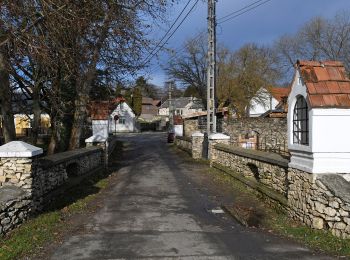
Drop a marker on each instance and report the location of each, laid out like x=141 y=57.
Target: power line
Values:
x=237 y=11
x=187 y=14
x=173 y=56
x=229 y=17
x=168 y=31
x=239 y=14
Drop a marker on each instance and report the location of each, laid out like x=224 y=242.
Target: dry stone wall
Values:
x=320 y=201
x=270 y=170
x=198 y=146
x=271 y=132
x=190 y=127
x=25 y=183
x=184 y=143
x=14 y=207
x=17 y=172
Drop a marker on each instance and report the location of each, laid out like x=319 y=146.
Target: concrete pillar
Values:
x=18 y=162
x=197 y=145
x=214 y=139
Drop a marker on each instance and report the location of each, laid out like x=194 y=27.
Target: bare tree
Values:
x=58 y=45
x=117 y=42
x=189 y=67
x=318 y=39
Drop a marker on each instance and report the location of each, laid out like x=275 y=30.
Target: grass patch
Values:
x=34 y=234
x=318 y=239
x=31 y=236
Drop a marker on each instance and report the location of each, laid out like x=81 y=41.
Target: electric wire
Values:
x=178 y=26
x=221 y=20
x=241 y=13
x=168 y=31
x=239 y=10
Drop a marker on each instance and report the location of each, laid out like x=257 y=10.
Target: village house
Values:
x=149 y=118
x=122 y=119
x=23 y=124
x=23 y=117
x=182 y=106
x=111 y=117
x=269 y=101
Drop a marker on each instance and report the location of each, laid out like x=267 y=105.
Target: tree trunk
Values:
x=37 y=115
x=8 y=123
x=55 y=136
x=78 y=120
x=85 y=86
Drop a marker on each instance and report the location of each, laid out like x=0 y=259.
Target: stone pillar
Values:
x=214 y=139
x=197 y=145
x=18 y=162
x=101 y=141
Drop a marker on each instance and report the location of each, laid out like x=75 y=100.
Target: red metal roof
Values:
x=327 y=83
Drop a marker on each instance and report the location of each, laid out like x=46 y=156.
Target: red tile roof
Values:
x=100 y=110
x=279 y=93
x=327 y=83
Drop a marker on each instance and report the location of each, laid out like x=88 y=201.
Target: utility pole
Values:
x=211 y=70
x=171 y=110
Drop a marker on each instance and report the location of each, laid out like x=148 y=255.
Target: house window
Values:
x=121 y=120
x=301 y=122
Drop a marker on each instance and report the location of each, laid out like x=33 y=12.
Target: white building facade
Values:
x=182 y=106
x=319 y=118
x=122 y=119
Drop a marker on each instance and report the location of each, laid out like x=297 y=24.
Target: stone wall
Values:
x=268 y=169
x=14 y=207
x=271 y=132
x=190 y=127
x=16 y=172
x=184 y=143
x=26 y=183
x=198 y=146
x=320 y=201
x=54 y=170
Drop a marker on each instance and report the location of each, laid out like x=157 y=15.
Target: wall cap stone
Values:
x=19 y=149
x=219 y=136
x=271 y=158
x=68 y=156
x=197 y=134
x=337 y=185
x=11 y=193
x=98 y=138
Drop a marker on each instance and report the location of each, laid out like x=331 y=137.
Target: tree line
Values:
x=55 y=53
x=241 y=73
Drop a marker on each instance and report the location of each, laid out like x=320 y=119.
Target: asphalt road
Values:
x=154 y=211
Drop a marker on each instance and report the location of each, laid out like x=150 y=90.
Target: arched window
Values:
x=301 y=122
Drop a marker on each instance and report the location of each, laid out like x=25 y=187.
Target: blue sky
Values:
x=262 y=25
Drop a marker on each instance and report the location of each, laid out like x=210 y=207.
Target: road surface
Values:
x=154 y=211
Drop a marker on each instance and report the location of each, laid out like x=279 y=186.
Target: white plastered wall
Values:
x=122 y=110
x=329 y=145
